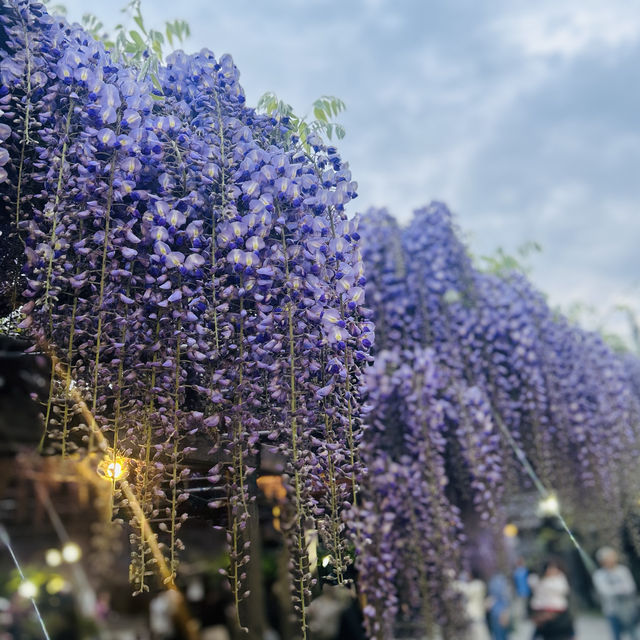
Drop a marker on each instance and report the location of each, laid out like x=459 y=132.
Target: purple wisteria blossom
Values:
x=473 y=371
x=194 y=269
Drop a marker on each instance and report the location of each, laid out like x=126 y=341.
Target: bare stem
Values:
x=103 y=270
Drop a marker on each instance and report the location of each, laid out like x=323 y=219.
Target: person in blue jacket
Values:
x=499 y=607
x=523 y=590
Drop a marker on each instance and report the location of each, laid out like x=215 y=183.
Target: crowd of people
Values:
x=495 y=607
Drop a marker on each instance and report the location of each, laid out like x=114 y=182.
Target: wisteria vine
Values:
x=471 y=365
x=190 y=262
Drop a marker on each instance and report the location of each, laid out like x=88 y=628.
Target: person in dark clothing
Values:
x=351 y=622
x=336 y=615
x=550 y=605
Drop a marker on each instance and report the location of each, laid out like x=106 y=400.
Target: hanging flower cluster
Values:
x=409 y=531
x=193 y=267
x=471 y=366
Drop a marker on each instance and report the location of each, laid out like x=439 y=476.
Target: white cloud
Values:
x=568 y=29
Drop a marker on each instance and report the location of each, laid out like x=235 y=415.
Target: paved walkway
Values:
x=587 y=628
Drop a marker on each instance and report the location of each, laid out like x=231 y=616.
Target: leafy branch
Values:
x=142 y=47
x=325 y=110
x=503 y=263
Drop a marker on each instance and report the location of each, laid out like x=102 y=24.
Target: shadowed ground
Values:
x=588 y=628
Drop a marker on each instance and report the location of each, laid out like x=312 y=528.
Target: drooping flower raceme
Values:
x=193 y=268
x=471 y=366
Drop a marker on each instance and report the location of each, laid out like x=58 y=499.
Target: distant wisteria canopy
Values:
x=474 y=377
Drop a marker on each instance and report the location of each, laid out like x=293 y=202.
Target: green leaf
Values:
x=156 y=84
x=156 y=35
x=144 y=69
x=319 y=114
x=137 y=39
x=59 y=9
x=181 y=29
x=139 y=21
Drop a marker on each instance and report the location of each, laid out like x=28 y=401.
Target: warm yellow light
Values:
x=27 y=589
x=56 y=585
x=276 y=511
x=272 y=487
x=53 y=557
x=113 y=469
x=325 y=561
x=549 y=506
x=510 y=530
x=71 y=552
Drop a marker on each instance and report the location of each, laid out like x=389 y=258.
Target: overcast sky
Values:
x=522 y=116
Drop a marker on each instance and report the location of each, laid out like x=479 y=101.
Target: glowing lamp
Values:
x=28 y=589
x=71 y=552
x=53 y=557
x=56 y=585
x=549 y=506
x=510 y=530
x=272 y=487
x=113 y=468
x=276 y=517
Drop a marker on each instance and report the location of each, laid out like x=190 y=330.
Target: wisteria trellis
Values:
x=194 y=272
x=464 y=356
x=193 y=267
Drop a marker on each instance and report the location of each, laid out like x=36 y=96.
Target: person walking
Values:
x=550 y=605
x=618 y=594
x=499 y=607
x=335 y=615
x=523 y=590
x=474 y=592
